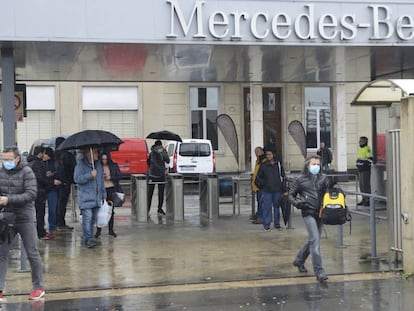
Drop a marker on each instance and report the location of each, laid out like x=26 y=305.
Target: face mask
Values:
x=9 y=165
x=314 y=169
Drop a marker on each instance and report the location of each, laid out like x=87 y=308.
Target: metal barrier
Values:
x=209 y=196
x=394 y=194
x=139 y=200
x=175 y=196
x=372 y=215
x=237 y=182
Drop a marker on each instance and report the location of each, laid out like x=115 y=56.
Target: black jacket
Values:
x=306 y=193
x=271 y=177
x=39 y=170
x=156 y=163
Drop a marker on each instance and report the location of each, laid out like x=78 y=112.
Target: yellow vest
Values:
x=364 y=153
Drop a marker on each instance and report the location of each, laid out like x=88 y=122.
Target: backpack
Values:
x=334 y=210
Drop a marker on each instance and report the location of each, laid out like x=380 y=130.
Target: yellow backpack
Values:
x=334 y=210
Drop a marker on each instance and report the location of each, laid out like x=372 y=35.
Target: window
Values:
x=204 y=103
x=318 y=116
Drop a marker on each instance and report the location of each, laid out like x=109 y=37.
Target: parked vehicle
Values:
x=131 y=156
x=191 y=157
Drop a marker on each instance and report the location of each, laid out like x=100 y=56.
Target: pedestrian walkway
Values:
x=167 y=255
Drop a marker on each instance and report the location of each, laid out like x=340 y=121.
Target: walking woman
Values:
x=112 y=176
x=306 y=193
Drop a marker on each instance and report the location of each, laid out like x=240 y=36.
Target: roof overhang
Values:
x=384 y=92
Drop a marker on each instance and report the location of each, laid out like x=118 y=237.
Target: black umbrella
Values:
x=164 y=135
x=285 y=207
x=89 y=138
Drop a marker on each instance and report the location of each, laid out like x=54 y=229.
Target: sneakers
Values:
x=90 y=243
x=301 y=267
x=322 y=277
x=48 y=236
x=36 y=294
x=267 y=229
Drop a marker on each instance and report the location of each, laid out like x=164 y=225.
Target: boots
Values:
x=98 y=232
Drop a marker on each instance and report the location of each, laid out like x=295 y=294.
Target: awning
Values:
x=384 y=92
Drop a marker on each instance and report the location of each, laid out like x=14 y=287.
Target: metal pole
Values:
x=340 y=237
x=373 y=228
x=7 y=97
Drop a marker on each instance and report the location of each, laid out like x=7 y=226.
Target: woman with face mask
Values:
x=306 y=193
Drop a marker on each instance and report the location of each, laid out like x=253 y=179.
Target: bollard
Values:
x=209 y=196
x=340 y=237
x=175 y=197
x=139 y=208
x=373 y=228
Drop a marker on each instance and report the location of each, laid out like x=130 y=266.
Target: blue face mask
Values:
x=314 y=169
x=9 y=165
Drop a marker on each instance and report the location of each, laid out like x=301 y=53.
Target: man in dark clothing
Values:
x=65 y=162
x=306 y=194
x=326 y=157
x=39 y=169
x=270 y=180
x=157 y=174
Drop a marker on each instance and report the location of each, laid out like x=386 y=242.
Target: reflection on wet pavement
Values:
x=148 y=264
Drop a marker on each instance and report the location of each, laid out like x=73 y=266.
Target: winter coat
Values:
x=325 y=154
x=156 y=163
x=39 y=169
x=91 y=191
x=270 y=177
x=65 y=165
x=20 y=187
x=259 y=160
x=310 y=189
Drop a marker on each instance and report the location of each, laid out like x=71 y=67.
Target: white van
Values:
x=191 y=157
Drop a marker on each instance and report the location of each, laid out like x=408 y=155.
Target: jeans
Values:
x=88 y=222
x=270 y=199
x=259 y=204
x=28 y=234
x=52 y=200
x=312 y=247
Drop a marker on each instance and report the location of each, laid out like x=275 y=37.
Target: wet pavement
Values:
x=223 y=264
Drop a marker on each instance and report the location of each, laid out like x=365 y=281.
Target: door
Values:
x=272 y=125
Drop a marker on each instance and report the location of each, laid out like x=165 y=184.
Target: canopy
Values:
x=384 y=92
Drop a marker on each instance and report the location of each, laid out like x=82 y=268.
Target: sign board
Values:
x=19 y=103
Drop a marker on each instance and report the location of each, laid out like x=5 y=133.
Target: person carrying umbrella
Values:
x=157 y=174
x=89 y=178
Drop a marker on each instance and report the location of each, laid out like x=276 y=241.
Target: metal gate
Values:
x=394 y=196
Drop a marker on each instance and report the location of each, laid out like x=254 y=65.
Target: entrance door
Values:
x=272 y=127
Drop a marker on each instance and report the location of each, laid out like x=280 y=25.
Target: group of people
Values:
x=54 y=175
x=24 y=190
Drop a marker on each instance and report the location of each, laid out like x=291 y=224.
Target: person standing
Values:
x=112 y=176
x=52 y=189
x=363 y=165
x=18 y=192
x=326 y=157
x=39 y=169
x=306 y=193
x=270 y=180
x=65 y=165
x=157 y=174
x=260 y=158
x=89 y=178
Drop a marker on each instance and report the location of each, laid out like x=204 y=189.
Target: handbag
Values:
x=7 y=220
x=118 y=199
x=104 y=214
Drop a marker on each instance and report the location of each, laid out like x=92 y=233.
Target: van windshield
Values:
x=194 y=150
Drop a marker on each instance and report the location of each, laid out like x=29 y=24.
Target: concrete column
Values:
x=340 y=159
x=407 y=181
x=256 y=119
x=7 y=97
